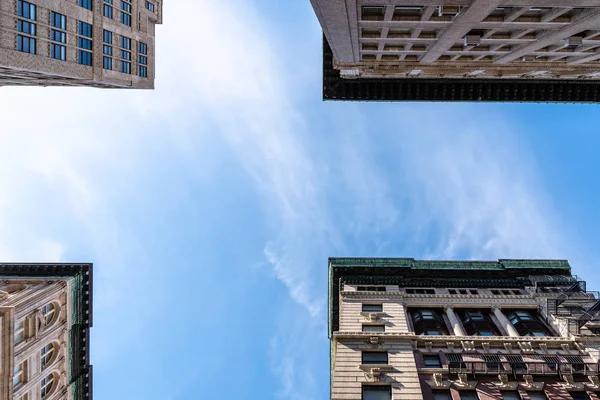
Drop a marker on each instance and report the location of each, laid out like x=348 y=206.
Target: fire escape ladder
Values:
x=589 y=314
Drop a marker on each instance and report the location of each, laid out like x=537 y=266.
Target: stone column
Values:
x=506 y=324
x=456 y=325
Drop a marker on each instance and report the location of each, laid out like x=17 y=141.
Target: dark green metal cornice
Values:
x=409 y=272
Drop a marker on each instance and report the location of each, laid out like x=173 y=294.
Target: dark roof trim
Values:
x=81 y=277
x=415 y=272
x=454 y=89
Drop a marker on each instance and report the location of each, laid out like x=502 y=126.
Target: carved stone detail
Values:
x=437 y=379
x=468 y=345
x=485 y=346
x=526 y=347
x=594 y=380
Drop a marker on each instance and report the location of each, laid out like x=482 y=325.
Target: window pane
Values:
x=511 y=396
x=372 y=307
x=468 y=395
x=373 y=328
x=374 y=357
x=537 y=395
x=376 y=393
x=432 y=361
x=441 y=395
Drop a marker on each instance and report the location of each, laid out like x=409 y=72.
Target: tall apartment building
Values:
x=461 y=330
x=98 y=43
x=45 y=317
x=482 y=50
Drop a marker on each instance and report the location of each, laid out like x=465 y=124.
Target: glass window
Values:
x=511 y=395
x=373 y=328
x=47 y=386
x=372 y=307
x=26 y=10
x=108 y=11
x=441 y=395
x=579 y=395
x=26 y=27
x=149 y=6
x=143 y=71
x=84 y=57
x=19 y=331
x=48 y=312
x=58 y=36
x=374 y=357
x=125 y=67
x=537 y=395
x=19 y=374
x=58 y=52
x=107 y=63
x=58 y=20
x=107 y=35
x=86 y=4
x=85 y=29
x=468 y=395
x=26 y=44
x=47 y=354
x=376 y=393
x=84 y=43
x=432 y=362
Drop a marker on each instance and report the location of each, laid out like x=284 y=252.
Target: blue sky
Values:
x=209 y=206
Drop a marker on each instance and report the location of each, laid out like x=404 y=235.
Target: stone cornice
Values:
x=445 y=299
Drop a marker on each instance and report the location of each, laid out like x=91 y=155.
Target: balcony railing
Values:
x=524 y=368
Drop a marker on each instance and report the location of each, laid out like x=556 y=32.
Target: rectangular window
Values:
x=58 y=52
x=28 y=28
x=107 y=63
x=26 y=44
x=27 y=10
x=85 y=29
x=83 y=43
x=371 y=288
x=432 y=362
x=86 y=4
x=125 y=67
x=372 y=307
x=58 y=36
x=143 y=60
x=126 y=12
x=511 y=395
x=19 y=373
x=374 y=357
x=441 y=395
x=579 y=395
x=107 y=50
x=107 y=37
x=84 y=57
x=373 y=328
x=19 y=331
x=58 y=20
x=376 y=393
x=108 y=11
x=150 y=6
x=537 y=395
x=126 y=43
x=468 y=395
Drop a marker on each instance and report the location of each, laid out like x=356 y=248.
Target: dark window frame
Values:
x=370 y=307
x=383 y=360
x=375 y=388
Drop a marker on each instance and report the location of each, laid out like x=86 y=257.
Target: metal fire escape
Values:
x=572 y=300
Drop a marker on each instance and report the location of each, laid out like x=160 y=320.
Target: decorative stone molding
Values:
x=468 y=345
x=569 y=381
x=437 y=378
x=374 y=340
x=565 y=347
x=374 y=375
x=438 y=382
x=530 y=384
x=485 y=346
x=543 y=347
x=464 y=383
x=526 y=347
x=580 y=347
x=428 y=346
x=508 y=347
x=504 y=383
x=450 y=346
x=594 y=381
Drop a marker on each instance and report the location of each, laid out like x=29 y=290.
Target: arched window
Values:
x=47 y=386
x=48 y=312
x=47 y=354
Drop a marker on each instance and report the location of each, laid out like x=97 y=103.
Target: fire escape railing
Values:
x=525 y=368
x=572 y=299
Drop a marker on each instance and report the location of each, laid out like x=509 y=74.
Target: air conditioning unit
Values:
x=573 y=42
x=472 y=40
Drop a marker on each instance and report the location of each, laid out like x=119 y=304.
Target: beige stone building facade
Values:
x=97 y=43
x=492 y=39
x=45 y=316
x=509 y=329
